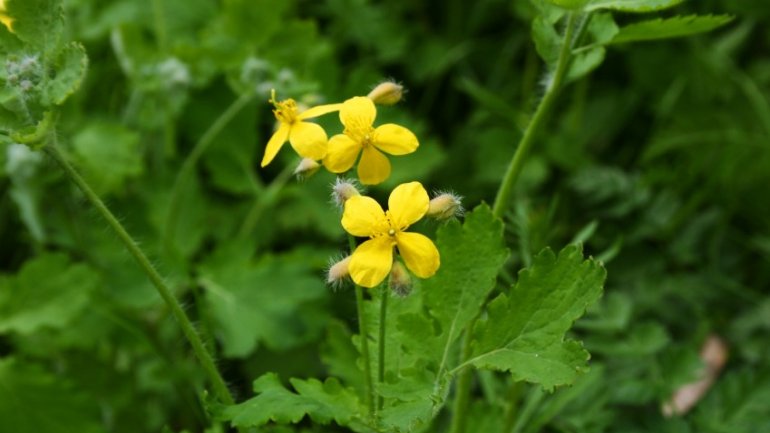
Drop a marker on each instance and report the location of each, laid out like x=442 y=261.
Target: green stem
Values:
x=512 y=411
x=384 y=295
x=364 y=335
x=204 y=357
x=264 y=201
x=192 y=159
x=503 y=198
x=463 y=390
x=160 y=25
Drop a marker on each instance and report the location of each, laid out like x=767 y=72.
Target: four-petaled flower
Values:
x=371 y=262
x=308 y=139
x=357 y=115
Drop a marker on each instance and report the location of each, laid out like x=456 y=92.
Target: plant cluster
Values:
x=162 y=271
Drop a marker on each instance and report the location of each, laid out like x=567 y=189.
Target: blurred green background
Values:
x=659 y=162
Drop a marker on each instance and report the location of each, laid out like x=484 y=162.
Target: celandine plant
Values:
x=431 y=313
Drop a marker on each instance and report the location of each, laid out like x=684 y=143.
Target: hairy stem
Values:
x=503 y=198
x=203 y=355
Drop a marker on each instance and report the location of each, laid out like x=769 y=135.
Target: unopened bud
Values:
x=400 y=281
x=444 y=206
x=306 y=168
x=343 y=189
x=386 y=93
x=338 y=272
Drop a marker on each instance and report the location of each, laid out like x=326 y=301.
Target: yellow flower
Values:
x=357 y=115
x=371 y=262
x=308 y=139
x=4 y=18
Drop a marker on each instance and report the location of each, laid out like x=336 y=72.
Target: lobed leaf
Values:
x=664 y=28
x=49 y=291
x=321 y=401
x=70 y=72
x=471 y=257
x=525 y=330
x=270 y=301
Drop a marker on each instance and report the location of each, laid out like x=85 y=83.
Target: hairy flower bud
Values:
x=400 y=281
x=386 y=93
x=306 y=168
x=343 y=189
x=444 y=206
x=338 y=272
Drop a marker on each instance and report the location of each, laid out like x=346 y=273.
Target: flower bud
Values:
x=338 y=272
x=386 y=93
x=306 y=168
x=400 y=281
x=444 y=206
x=343 y=189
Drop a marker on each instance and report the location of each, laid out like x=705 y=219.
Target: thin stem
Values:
x=264 y=201
x=384 y=295
x=463 y=390
x=364 y=335
x=192 y=159
x=203 y=355
x=160 y=25
x=503 y=199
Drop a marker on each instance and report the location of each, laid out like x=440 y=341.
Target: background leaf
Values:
x=663 y=28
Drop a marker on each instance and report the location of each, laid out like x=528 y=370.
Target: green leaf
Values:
x=471 y=257
x=663 y=28
x=421 y=346
x=108 y=154
x=49 y=291
x=39 y=23
x=34 y=401
x=321 y=401
x=70 y=71
x=631 y=5
x=547 y=40
x=525 y=333
x=272 y=301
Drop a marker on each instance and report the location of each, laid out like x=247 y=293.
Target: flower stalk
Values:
x=364 y=335
x=384 y=294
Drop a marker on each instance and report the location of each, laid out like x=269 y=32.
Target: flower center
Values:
x=286 y=111
x=360 y=132
x=391 y=232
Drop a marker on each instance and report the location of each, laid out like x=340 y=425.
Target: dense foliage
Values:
x=642 y=200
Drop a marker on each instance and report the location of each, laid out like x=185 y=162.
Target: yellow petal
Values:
x=419 y=253
x=308 y=139
x=341 y=154
x=358 y=113
x=374 y=167
x=364 y=217
x=274 y=145
x=407 y=204
x=371 y=261
x=395 y=139
x=318 y=111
